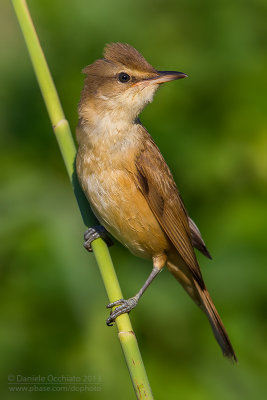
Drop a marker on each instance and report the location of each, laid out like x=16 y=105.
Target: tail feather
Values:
x=216 y=323
x=203 y=300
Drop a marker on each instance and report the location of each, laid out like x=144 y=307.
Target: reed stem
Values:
x=67 y=147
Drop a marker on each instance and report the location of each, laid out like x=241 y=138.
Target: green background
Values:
x=211 y=129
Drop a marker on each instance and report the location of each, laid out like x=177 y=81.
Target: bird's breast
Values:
x=108 y=180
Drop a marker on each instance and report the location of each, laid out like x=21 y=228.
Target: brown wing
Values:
x=158 y=187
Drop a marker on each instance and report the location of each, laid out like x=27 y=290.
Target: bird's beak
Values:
x=161 y=77
x=166 y=76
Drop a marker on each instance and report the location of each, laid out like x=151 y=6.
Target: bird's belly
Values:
x=124 y=212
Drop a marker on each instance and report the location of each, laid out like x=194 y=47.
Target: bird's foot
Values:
x=124 y=306
x=94 y=233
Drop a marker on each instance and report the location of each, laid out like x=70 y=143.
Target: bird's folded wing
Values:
x=157 y=185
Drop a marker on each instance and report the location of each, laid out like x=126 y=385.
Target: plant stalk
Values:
x=67 y=147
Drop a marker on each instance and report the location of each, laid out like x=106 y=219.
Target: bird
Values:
x=129 y=185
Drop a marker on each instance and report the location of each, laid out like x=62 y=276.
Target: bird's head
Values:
x=123 y=80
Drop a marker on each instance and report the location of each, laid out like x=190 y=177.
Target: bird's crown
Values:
x=128 y=56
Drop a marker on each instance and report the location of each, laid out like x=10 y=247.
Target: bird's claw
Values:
x=124 y=306
x=96 y=232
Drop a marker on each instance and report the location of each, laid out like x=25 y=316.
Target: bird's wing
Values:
x=157 y=185
x=197 y=240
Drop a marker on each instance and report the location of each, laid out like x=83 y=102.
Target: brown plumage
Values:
x=128 y=56
x=128 y=183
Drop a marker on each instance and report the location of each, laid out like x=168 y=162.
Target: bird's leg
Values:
x=125 y=306
x=96 y=232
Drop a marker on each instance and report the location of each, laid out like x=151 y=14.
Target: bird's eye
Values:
x=123 y=77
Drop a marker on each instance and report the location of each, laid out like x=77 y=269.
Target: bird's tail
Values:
x=216 y=323
x=203 y=299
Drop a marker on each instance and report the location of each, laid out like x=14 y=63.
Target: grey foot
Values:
x=94 y=233
x=124 y=306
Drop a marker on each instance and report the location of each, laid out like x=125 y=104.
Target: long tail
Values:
x=203 y=300
x=216 y=323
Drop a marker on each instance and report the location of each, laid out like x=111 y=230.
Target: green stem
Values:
x=65 y=141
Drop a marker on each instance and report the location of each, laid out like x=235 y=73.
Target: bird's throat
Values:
x=109 y=129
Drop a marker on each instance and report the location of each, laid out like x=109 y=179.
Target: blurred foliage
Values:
x=212 y=130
